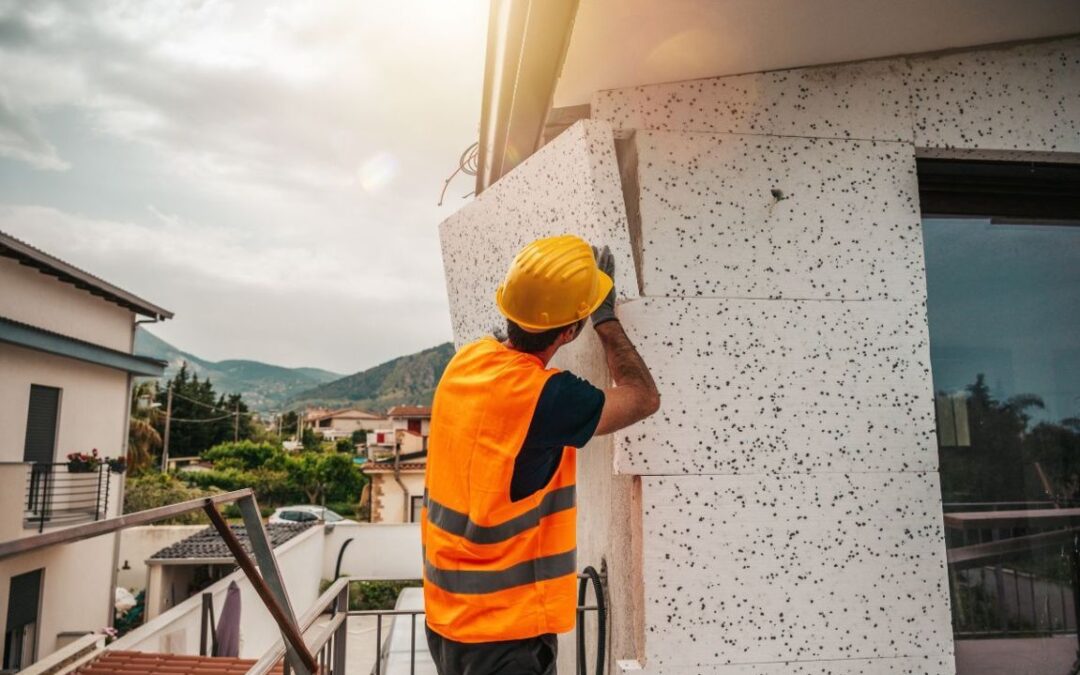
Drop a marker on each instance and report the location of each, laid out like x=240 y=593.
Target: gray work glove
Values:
x=606 y=262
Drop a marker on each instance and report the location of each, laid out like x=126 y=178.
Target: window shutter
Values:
x=41 y=424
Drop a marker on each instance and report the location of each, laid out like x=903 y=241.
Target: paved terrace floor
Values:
x=1016 y=656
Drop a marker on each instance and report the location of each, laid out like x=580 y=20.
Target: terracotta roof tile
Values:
x=143 y=663
x=208 y=543
x=389 y=466
x=409 y=411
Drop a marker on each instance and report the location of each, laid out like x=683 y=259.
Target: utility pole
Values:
x=236 y=424
x=168 y=424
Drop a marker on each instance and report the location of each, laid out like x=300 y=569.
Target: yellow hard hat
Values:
x=552 y=282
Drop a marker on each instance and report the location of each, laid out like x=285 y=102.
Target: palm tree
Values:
x=143 y=437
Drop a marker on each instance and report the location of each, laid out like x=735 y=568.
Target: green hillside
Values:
x=406 y=379
x=265 y=387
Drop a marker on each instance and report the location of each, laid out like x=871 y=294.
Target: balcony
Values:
x=55 y=496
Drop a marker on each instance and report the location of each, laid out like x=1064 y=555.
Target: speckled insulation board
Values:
x=791 y=513
x=912 y=665
x=570 y=186
x=765 y=569
x=867 y=100
x=737 y=216
x=1023 y=97
x=781 y=386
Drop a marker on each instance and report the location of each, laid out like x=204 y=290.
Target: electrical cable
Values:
x=208 y=419
x=468 y=164
x=212 y=407
x=590 y=574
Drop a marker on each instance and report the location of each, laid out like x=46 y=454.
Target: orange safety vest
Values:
x=494 y=569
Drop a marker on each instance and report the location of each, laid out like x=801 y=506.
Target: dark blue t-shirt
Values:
x=567 y=413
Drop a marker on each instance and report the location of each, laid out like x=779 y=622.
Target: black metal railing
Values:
x=1013 y=569
x=56 y=496
x=328 y=641
x=993 y=601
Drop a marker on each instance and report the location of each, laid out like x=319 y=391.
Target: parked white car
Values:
x=305 y=513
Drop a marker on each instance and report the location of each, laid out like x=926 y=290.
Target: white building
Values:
x=397 y=490
x=66 y=366
x=406 y=430
x=342 y=423
x=774 y=179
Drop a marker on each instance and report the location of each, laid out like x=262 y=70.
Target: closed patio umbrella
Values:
x=228 y=627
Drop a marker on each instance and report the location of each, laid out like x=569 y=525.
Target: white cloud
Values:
x=276 y=305
x=299 y=149
x=21 y=139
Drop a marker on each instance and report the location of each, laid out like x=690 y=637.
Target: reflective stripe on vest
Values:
x=494 y=568
x=456 y=522
x=474 y=582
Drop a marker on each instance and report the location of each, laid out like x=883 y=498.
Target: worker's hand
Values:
x=606 y=262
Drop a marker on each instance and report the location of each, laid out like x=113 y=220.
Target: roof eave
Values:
x=32 y=337
x=27 y=255
x=526 y=46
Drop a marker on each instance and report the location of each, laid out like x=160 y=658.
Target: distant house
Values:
x=66 y=368
x=180 y=570
x=405 y=430
x=396 y=497
x=415 y=418
x=342 y=423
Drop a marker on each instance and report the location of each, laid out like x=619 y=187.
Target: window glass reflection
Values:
x=1003 y=302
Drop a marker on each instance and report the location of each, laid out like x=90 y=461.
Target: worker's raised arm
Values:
x=634 y=396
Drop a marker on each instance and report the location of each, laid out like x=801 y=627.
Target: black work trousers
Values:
x=531 y=656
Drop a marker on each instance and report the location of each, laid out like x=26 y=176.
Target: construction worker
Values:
x=499 y=517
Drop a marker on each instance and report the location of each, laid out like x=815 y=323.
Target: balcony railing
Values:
x=56 y=496
x=398 y=645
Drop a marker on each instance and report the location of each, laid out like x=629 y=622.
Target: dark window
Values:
x=1002 y=245
x=20 y=631
x=298 y=516
x=41 y=419
x=416 y=504
x=414 y=425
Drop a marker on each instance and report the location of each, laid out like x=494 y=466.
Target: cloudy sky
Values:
x=267 y=170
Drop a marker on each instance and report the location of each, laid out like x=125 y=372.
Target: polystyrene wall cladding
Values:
x=926 y=665
x=729 y=215
x=1024 y=97
x=570 y=186
x=868 y=101
x=745 y=569
x=782 y=386
x=791 y=510
x=1021 y=98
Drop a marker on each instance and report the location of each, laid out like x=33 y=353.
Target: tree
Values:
x=311 y=440
x=324 y=474
x=143 y=438
x=999 y=465
x=201 y=418
x=158 y=489
x=289 y=423
x=241 y=455
x=345 y=445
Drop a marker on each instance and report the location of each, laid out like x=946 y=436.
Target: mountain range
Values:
x=407 y=379
x=266 y=387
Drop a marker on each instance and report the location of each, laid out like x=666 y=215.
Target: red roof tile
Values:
x=389 y=466
x=143 y=663
x=409 y=411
